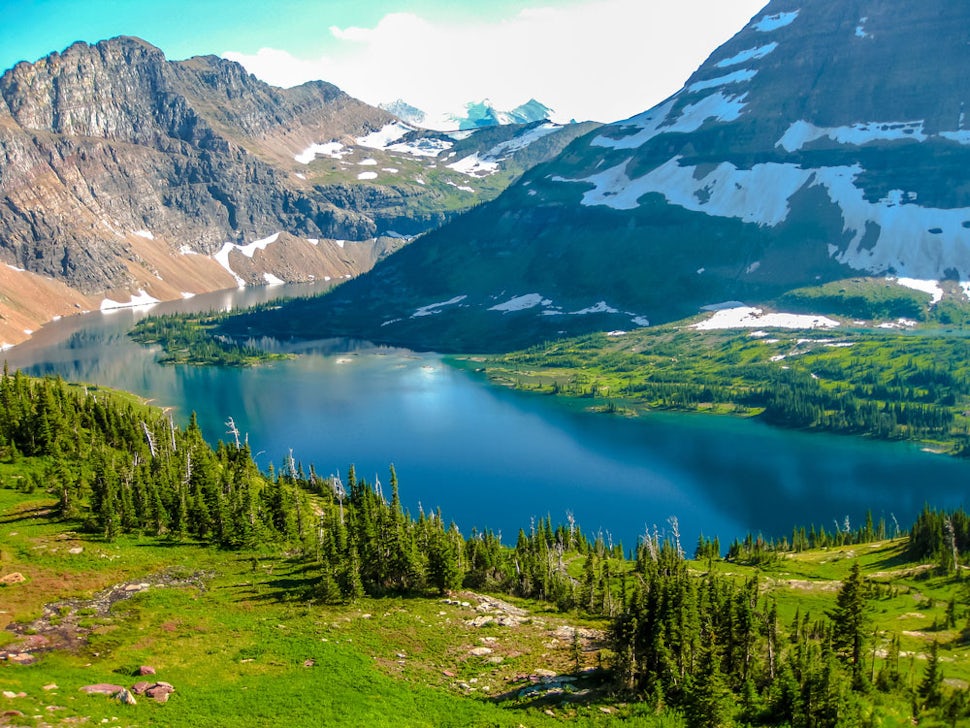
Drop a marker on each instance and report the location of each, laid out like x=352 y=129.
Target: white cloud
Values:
x=603 y=59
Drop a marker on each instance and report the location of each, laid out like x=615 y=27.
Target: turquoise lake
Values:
x=494 y=458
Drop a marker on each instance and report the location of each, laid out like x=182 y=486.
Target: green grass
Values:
x=237 y=637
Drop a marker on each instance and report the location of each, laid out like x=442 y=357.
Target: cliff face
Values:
x=106 y=141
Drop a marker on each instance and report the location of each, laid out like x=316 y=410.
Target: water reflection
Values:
x=495 y=458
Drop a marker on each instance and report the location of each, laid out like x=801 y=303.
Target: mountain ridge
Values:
x=127 y=176
x=824 y=140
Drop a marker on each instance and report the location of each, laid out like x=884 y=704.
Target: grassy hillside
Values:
x=261 y=597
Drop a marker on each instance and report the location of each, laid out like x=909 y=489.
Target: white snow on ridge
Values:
x=740 y=76
x=474 y=166
x=803 y=132
x=521 y=141
x=746 y=317
x=716 y=106
x=931 y=287
x=769 y=23
x=384 y=136
x=432 y=308
x=521 y=303
x=334 y=150
x=140 y=299
x=144 y=234
x=15 y=268
x=486 y=163
x=749 y=55
x=423 y=147
x=759 y=195
x=272 y=280
x=913 y=241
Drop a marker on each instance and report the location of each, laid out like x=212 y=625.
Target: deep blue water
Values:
x=496 y=458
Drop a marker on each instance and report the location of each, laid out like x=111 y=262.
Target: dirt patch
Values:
x=60 y=625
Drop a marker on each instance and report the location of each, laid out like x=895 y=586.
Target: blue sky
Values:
x=589 y=59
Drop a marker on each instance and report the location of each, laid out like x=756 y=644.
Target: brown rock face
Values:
x=113 y=160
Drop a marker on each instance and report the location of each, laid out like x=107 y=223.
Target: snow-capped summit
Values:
x=473 y=115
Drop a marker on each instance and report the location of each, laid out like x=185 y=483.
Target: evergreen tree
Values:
x=850 y=623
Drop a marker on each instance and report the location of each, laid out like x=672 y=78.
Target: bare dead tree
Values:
x=233 y=430
x=149 y=437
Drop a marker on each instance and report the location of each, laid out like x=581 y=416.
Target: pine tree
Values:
x=850 y=623
x=931 y=688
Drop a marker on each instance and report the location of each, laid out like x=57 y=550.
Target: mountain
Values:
x=826 y=140
x=126 y=178
x=474 y=115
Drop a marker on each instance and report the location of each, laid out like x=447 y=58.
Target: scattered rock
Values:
x=10 y=694
x=447 y=673
x=160 y=691
x=480 y=651
x=102 y=689
x=76 y=550
x=139 y=688
x=50 y=686
x=13 y=578
x=146 y=670
x=126 y=698
x=309 y=663
x=11 y=714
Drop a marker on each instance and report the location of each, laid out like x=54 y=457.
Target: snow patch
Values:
x=272 y=280
x=803 y=132
x=313 y=241
x=474 y=166
x=384 y=136
x=222 y=257
x=769 y=23
x=434 y=308
x=744 y=317
x=367 y=175
x=369 y=162
x=144 y=234
x=423 y=147
x=187 y=250
x=15 y=268
x=390 y=170
x=961 y=136
x=640 y=321
x=334 y=150
x=188 y=294
x=600 y=307
x=717 y=106
x=931 y=287
x=759 y=195
x=740 y=76
x=140 y=299
x=521 y=303
x=748 y=55
x=902 y=323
